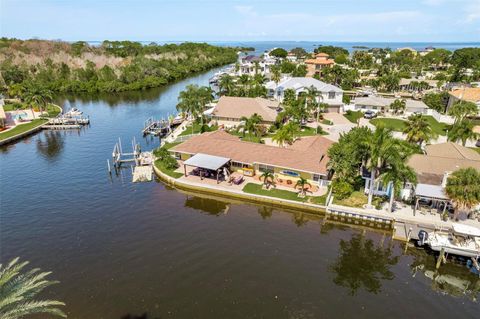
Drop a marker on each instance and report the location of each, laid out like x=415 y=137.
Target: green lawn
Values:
x=197 y=128
x=159 y=164
x=247 y=137
x=399 y=125
x=52 y=109
x=357 y=199
x=476 y=149
x=257 y=189
x=353 y=116
x=327 y=122
x=437 y=127
x=22 y=128
x=394 y=124
x=310 y=131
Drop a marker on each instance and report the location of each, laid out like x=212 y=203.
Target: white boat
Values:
x=463 y=240
x=74 y=112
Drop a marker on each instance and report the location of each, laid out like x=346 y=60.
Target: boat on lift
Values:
x=73 y=112
x=462 y=240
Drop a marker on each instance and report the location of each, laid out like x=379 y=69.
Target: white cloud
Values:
x=473 y=12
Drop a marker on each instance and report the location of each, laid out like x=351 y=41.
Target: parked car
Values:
x=370 y=114
x=478 y=143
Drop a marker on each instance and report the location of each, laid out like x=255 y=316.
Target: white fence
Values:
x=440 y=117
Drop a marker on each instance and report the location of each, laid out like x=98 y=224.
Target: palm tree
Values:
x=226 y=84
x=463 y=189
x=268 y=179
x=384 y=153
x=244 y=81
x=398 y=106
x=462 y=109
x=251 y=123
x=462 y=131
x=18 y=290
x=282 y=136
x=397 y=175
x=39 y=97
x=418 y=129
x=302 y=183
x=276 y=74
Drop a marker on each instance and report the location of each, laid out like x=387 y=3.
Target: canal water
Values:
x=121 y=250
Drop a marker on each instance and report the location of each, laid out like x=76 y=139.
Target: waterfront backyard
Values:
x=120 y=248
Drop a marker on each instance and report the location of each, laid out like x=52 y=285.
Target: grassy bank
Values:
x=358 y=199
x=257 y=189
x=22 y=128
x=170 y=172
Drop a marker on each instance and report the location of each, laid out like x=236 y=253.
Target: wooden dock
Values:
x=142 y=174
x=156 y=127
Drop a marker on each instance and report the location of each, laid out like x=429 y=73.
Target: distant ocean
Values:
x=262 y=46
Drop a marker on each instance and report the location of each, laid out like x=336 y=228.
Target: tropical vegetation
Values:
x=19 y=291
x=463 y=189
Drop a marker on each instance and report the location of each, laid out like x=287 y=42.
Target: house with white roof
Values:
x=327 y=93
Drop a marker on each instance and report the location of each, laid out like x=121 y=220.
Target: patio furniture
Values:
x=238 y=180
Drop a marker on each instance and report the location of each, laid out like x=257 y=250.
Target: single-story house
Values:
x=327 y=93
x=229 y=110
x=464 y=94
x=432 y=170
x=306 y=158
x=382 y=104
x=321 y=61
x=411 y=85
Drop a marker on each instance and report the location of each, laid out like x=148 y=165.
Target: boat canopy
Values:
x=466 y=230
x=207 y=161
x=430 y=191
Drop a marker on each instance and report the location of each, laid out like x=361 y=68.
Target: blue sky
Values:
x=230 y=20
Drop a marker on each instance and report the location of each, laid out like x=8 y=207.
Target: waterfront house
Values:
x=382 y=104
x=229 y=110
x=306 y=158
x=320 y=62
x=327 y=93
x=467 y=94
x=417 y=85
x=432 y=170
x=251 y=65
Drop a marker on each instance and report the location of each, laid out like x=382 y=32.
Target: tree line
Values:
x=141 y=66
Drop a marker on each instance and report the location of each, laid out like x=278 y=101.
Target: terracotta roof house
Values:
x=229 y=110
x=442 y=159
x=307 y=157
x=432 y=170
x=468 y=94
x=321 y=61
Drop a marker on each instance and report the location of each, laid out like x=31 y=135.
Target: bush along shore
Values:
x=112 y=66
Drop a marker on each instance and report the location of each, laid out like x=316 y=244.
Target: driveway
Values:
x=336 y=118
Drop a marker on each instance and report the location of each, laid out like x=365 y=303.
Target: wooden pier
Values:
x=66 y=122
x=156 y=127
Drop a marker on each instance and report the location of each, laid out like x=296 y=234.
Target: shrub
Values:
x=341 y=189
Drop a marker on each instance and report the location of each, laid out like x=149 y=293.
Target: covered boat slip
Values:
x=206 y=162
x=434 y=193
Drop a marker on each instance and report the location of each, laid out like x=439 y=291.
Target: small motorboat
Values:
x=73 y=112
x=462 y=240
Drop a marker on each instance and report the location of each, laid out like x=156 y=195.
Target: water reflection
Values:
x=265 y=211
x=451 y=278
x=363 y=264
x=112 y=100
x=51 y=144
x=207 y=205
x=299 y=219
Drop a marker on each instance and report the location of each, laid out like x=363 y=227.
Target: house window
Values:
x=317 y=177
x=331 y=95
x=239 y=165
x=178 y=156
x=265 y=168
